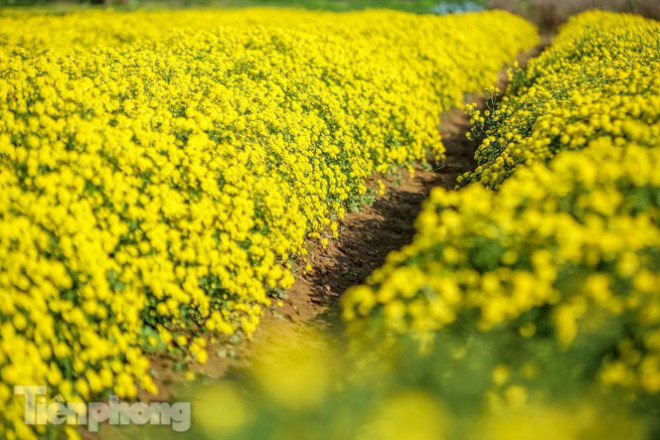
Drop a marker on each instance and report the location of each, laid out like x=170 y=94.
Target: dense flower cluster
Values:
x=582 y=88
x=572 y=248
x=160 y=171
x=565 y=254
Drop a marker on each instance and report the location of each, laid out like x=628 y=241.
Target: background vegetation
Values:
x=547 y=14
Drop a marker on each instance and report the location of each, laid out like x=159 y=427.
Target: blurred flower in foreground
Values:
x=587 y=421
x=411 y=415
x=221 y=410
x=297 y=372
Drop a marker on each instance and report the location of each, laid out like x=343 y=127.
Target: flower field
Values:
x=549 y=260
x=164 y=174
x=582 y=89
x=166 y=177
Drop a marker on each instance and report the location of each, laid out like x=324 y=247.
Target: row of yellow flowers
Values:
x=599 y=79
x=160 y=171
x=558 y=267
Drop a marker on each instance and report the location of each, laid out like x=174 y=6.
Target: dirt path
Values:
x=368 y=236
